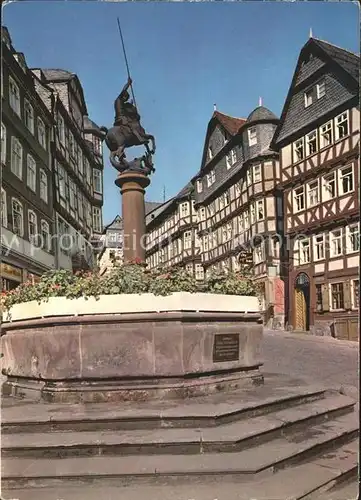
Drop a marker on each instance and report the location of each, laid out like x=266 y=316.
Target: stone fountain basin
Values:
x=121 y=347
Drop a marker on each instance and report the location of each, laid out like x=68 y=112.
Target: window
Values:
x=355 y=285
x=319 y=247
x=199 y=186
x=233 y=156
x=330 y=186
x=202 y=213
x=337 y=299
x=352 y=238
x=246 y=219
x=45 y=235
x=321 y=89
x=3 y=143
x=61 y=178
x=319 y=303
x=211 y=177
x=304 y=255
x=187 y=240
x=308 y=98
x=72 y=195
x=210 y=152
x=229 y=231
x=313 y=193
x=257 y=173
x=240 y=222
x=237 y=189
x=14 y=96
x=311 y=143
x=335 y=243
x=346 y=180
x=97 y=178
x=299 y=150
x=97 y=219
x=4 y=208
x=61 y=129
x=260 y=209
x=326 y=135
x=199 y=272
x=43 y=185
x=88 y=172
x=299 y=197
x=41 y=133
x=32 y=225
x=184 y=209
x=18 y=217
x=29 y=116
x=31 y=173
x=226 y=198
x=80 y=164
x=253 y=213
x=228 y=161
x=97 y=145
x=249 y=177
x=16 y=157
x=341 y=126
x=252 y=136
x=259 y=254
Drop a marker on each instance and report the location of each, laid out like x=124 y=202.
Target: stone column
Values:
x=132 y=188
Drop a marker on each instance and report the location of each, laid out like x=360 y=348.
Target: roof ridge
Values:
x=336 y=46
x=228 y=116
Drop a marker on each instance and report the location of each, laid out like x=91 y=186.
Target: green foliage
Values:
x=131 y=278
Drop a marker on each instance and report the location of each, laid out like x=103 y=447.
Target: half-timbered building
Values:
x=318 y=141
x=27 y=247
x=235 y=201
x=111 y=242
x=172 y=234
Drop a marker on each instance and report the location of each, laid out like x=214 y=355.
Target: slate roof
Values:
x=57 y=74
x=230 y=123
x=188 y=188
x=261 y=113
x=117 y=223
x=162 y=207
x=89 y=124
x=151 y=205
x=349 y=61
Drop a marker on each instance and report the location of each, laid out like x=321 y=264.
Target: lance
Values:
x=126 y=60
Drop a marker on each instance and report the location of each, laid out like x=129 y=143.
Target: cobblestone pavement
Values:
x=317 y=359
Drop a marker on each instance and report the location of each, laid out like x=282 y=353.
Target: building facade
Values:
x=172 y=234
x=318 y=141
x=27 y=229
x=235 y=198
x=77 y=164
x=111 y=246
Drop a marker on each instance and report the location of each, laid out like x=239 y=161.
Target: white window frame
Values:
x=97 y=178
x=61 y=128
x=211 y=178
x=199 y=185
x=61 y=180
x=342 y=176
x=299 y=150
x=184 y=209
x=31 y=173
x=329 y=180
x=257 y=173
x=199 y=271
x=32 y=221
x=43 y=181
x=227 y=198
x=298 y=195
x=331 y=298
x=259 y=254
x=228 y=161
x=313 y=187
x=29 y=116
x=233 y=156
x=311 y=138
x=260 y=206
x=210 y=152
x=14 y=97
x=308 y=98
x=21 y=212
x=46 y=242
x=18 y=168
x=42 y=133
x=353 y=286
x=321 y=89
x=326 y=130
x=4 y=208
x=351 y=231
x=187 y=240
x=339 y=121
x=318 y=243
x=249 y=178
x=3 y=143
x=304 y=254
x=72 y=195
x=334 y=239
x=97 y=218
x=252 y=136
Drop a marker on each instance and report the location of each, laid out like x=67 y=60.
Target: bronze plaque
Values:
x=226 y=347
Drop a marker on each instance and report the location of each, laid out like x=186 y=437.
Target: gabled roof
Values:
x=343 y=59
x=150 y=206
x=230 y=123
x=117 y=223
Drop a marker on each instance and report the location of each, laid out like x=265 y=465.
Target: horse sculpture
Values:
x=127 y=130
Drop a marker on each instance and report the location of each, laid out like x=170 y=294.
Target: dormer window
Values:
x=308 y=98
x=210 y=152
x=211 y=177
x=321 y=89
x=252 y=136
x=199 y=186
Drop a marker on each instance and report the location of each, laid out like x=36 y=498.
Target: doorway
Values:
x=302 y=302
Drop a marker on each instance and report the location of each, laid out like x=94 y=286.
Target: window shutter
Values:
x=347 y=294
x=325 y=297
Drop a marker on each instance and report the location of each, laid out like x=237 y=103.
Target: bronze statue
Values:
x=144 y=164
x=127 y=130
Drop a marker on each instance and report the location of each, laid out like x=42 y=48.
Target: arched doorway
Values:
x=302 y=302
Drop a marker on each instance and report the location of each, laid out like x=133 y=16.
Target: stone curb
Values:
x=313 y=338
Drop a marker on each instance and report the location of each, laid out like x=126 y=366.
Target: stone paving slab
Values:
x=227 y=433
x=248 y=461
x=288 y=484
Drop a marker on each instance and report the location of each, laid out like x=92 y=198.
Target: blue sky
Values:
x=183 y=58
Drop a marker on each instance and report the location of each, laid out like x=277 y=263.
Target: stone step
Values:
x=302 y=481
x=348 y=491
x=24 y=416
x=229 y=437
x=286 y=450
